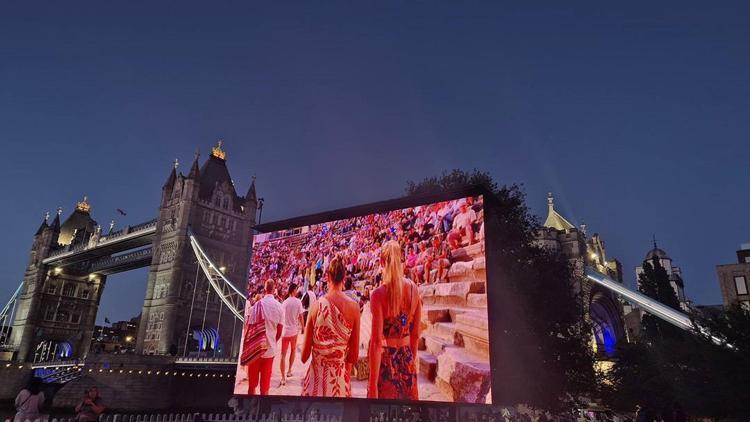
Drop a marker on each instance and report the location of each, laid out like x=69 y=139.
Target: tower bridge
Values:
x=55 y=307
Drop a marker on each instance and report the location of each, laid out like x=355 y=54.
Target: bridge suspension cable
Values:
x=6 y=316
x=654 y=307
x=229 y=295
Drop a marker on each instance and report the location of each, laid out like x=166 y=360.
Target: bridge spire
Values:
x=251 y=194
x=56 y=222
x=194 y=170
x=172 y=176
x=44 y=225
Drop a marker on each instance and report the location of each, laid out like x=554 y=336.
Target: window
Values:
x=223 y=221
x=745 y=304
x=225 y=203
x=747 y=259
x=76 y=318
x=69 y=290
x=740 y=284
x=85 y=294
x=51 y=288
x=49 y=314
x=62 y=316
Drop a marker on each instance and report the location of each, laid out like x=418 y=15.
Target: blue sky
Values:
x=635 y=115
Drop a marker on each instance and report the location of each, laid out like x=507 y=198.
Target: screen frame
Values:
x=490 y=202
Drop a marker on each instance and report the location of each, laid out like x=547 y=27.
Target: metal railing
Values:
x=200 y=417
x=111 y=261
x=147 y=227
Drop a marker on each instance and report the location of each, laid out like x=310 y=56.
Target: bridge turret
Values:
x=207 y=202
x=194 y=170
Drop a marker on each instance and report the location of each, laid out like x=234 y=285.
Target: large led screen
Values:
x=390 y=305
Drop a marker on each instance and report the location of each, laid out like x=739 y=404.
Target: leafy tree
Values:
x=690 y=372
x=538 y=330
x=654 y=283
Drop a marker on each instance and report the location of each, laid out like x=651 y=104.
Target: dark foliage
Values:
x=687 y=371
x=654 y=283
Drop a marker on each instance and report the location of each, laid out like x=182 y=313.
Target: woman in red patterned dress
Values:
x=332 y=338
x=396 y=313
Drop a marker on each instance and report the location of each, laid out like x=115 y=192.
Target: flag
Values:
x=121 y=211
x=107 y=321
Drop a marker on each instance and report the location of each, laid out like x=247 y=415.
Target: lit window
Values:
x=740 y=284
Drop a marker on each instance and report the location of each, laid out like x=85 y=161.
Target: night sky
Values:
x=636 y=117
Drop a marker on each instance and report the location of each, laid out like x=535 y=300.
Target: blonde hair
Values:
x=392 y=273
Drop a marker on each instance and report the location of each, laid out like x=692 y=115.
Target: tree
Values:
x=691 y=372
x=654 y=283
x=539 y=331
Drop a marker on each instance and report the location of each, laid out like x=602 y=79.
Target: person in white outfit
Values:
x=29 y=401
x=293 y=323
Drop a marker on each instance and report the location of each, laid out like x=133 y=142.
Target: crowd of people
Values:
x=426 y=234
x=319 y=280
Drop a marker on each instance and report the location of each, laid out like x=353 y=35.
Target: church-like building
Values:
x=603 y=307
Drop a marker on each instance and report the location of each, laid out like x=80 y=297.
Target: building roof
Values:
x=554 y=219
x=658 y=253
x=80 y=219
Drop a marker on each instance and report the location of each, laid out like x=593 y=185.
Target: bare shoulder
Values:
x=378 y=293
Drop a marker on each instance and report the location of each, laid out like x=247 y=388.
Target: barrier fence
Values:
x=198 y=417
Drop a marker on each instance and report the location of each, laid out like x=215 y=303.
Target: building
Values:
x=70 y=261
x=733 y=279
x=603 y=307
x=119 y=337
x=674 y=272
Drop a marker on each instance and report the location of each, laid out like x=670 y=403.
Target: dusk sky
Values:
x=636 y=116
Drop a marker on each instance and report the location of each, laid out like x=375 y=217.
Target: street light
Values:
x=222 y=269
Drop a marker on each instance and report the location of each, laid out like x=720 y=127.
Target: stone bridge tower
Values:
x=57 y=307
x=179 y=304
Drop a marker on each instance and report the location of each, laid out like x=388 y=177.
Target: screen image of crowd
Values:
x=389 y=305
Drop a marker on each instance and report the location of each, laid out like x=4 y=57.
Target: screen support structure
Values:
x=230 y=295
x=650 y=305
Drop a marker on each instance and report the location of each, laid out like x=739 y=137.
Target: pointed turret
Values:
x=56 y=222
x=172 y=176
x=44 y=226
x=251 y=195
x=195 y=172
x=555 y=220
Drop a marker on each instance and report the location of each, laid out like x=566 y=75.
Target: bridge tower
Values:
x=179 y=308
x=57 y=306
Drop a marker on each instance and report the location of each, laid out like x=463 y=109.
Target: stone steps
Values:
x=472 y=328
x=477 y=300
x=432 y=314
x=454 y=347
x=427 y=365
x=445 y=330
x=436 y=345
x=467 y=253
x=463 y=376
